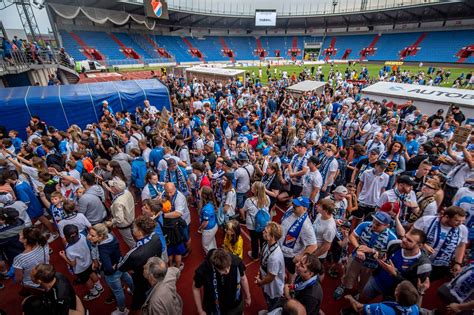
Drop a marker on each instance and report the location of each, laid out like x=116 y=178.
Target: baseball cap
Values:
x=285 y=160
x=300 y=144
x=390 y=207
x=382 y=217
x=244 y=129
x=117 y=183
x=375 y=150
x=405 y=179
x=439 y=135
x=381 y=163
x=243 y=156
x=301 y=202
x=341 y=190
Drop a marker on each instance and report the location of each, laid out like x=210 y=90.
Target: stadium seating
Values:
x=438 y=46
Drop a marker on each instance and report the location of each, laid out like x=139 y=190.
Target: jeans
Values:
x=115 y=284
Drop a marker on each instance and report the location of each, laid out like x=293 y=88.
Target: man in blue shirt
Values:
x=406 y=302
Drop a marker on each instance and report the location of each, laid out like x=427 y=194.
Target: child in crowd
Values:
x=233 y=242
x=55 y=206
x=78 y=257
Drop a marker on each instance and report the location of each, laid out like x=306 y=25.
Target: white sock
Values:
x=94 y=291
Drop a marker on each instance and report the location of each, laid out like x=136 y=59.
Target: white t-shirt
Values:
x=242 y=178
x=27 y=261
x=81 y=253
x=276 y=267
x=305 y=238
x=372 y=187
x=312 y=180
x=251 y=209
x=181 y=205
x=231 y=201
x=78 y=220
x=465 y=199
x=325 y=231
x=424 y=224
x=146 y=154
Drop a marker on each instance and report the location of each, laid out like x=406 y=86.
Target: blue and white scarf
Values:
x=295 y=229
x=446 y=252
x=324 y=168
x=300 y=285
x=154 y=192
x=178 y=179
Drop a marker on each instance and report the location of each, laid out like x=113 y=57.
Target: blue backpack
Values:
x=261 y=220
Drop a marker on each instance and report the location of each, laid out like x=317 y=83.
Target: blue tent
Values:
x=80 y=104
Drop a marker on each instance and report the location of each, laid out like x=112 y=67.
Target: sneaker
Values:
x=339 y=292
x=181 y=267
x=52 y=237
x=119 y=312
x=110 y=300
x=90 y=296
x=100 y=290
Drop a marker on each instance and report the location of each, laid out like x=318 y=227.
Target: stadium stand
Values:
x=388 y=46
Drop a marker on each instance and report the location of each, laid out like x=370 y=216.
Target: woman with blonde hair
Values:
x=259 y=201
x=208 y=219
x=233 y=242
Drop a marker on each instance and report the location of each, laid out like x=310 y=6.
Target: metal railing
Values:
x=126 y=62
x=21 y=60
x=290 y=8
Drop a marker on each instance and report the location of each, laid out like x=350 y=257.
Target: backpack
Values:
x=341 y=176
x=261 y=220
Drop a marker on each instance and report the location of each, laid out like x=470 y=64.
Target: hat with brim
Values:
x=382 y=217
x=301 y=202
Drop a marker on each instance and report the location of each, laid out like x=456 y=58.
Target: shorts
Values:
x=366 y=211
x=186 y=233
x=290 y=265
x=83 y=277
x=175 y=250
x=241 y=197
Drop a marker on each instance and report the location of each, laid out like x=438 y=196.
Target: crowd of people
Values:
x=376 y=195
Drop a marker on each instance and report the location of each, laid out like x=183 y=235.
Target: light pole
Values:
x=334 y=4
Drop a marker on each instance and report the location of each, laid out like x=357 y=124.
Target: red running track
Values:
x=10 y=301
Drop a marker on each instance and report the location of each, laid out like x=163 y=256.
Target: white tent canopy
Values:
x=427 y=98
x=306 y=86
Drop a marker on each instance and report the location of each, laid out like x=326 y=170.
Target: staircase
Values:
x=90 y=53
x=226 y=50
x=465 y=53
x=347 y=52
x=412 y=49
x=369 y=50
x=145 y=45
x=330 y=51
x=162 y=52
x=192 y=50
x=68 y=75
x=260 y=52
x=127 y=51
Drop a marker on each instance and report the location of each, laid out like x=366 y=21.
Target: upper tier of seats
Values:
x=440 y=46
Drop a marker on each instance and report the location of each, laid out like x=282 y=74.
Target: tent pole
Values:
x=62 y=106
x=92 y=102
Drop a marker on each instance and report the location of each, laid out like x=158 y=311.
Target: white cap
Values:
x=341 y=190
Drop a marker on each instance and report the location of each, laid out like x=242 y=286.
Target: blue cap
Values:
x=243 y=156
x=285 y=160
x=301 y=202
x=244 y=129
x=382 y=217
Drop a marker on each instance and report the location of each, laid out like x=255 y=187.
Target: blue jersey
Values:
x=156 y=155
x=377 y=241
x=24 y=193
x=389 y=308
x=208 y=214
